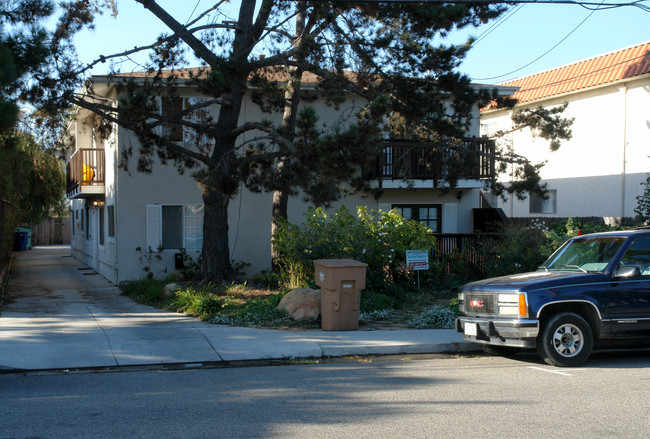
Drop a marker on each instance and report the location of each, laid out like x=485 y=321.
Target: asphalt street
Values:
x=404 y=396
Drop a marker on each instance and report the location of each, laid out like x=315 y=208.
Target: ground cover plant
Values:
x=239 y=304
x=391 y=296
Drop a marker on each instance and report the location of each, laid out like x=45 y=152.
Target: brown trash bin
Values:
x=341 y=282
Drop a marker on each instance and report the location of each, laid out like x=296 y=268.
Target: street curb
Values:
x=441 y=349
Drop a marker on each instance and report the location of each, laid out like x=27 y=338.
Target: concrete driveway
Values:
x=59 y=314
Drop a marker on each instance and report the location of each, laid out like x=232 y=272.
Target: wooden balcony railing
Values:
x=86 y=172
x=410 y=160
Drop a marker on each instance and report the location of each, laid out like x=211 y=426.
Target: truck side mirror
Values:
x=627 y=272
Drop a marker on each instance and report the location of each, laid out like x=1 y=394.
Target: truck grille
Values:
x=479 y=304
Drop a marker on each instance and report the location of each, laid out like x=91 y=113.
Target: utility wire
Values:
x=637 y=3
x=545 y=53
x=193 y=11
x=496 y=25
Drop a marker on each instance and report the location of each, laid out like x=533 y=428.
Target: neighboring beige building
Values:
x=598 y=173
x=115 y=212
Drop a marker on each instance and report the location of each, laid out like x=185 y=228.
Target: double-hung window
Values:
x=171 y=107
x=539 y=204
x=427 y=214
x=171 y=227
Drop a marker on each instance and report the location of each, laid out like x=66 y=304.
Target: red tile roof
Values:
x=603 y=69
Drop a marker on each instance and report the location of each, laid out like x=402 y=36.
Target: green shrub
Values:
x=642 y=209
x=202 y=303
x=148 y=291
x=371 y=301
x=518 y=249
x=379 y=239
x=268 y=279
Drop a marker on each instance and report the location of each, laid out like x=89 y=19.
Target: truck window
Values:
x=638 y=254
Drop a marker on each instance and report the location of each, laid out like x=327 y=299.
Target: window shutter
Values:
x=154 y=226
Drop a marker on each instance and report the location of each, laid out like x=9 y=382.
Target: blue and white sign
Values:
x=417 y=259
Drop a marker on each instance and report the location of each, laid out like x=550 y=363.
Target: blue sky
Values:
x=505 y=46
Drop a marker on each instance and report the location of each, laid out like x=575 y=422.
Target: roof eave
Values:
x=570 y=93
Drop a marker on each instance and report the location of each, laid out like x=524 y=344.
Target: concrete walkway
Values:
x=58 y=314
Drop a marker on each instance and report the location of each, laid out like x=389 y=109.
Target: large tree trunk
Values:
x=216 y=251
x=292 y=99
x=280 y=205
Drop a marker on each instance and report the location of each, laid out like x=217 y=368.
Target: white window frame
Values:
x=188 y=134
x=547 y=207
x=192 y=221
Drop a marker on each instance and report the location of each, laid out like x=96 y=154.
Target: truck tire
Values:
x=500 y=351
x=566 y=340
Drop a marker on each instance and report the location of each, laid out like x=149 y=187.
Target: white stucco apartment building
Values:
x=598 y=173
x=116 y=212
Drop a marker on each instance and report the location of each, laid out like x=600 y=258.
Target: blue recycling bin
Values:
x=29 y=236
x=20 y=241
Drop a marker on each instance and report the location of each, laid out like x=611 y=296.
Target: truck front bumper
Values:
x=516 y=333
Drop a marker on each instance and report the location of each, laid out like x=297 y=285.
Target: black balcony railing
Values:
x=410 y=160
x=86 y=168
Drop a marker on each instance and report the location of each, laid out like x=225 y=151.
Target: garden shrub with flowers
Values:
x=380 y=239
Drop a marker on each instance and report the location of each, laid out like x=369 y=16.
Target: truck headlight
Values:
x=512 y=304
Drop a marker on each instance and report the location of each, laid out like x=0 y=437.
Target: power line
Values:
x=496 y=25
x=586 y=4
x=543 y=54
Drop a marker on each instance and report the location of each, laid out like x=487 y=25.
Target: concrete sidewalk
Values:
x=60 y=315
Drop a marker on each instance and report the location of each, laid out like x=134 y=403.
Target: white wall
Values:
x=600 y=170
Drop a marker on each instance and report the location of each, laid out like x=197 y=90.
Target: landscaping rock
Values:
x=170 y=289
x=301 y=304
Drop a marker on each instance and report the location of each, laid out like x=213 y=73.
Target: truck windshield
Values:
x=584 y=254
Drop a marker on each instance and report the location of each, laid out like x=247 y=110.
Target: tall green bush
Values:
x=517 y=250
x=642 y=209
x=522 y=249
x=377 y=238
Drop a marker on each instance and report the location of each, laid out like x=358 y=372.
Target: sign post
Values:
x=417 y=260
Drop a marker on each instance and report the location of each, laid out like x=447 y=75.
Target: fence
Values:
x=52 y=231
x=457 y=247
x=6 y=221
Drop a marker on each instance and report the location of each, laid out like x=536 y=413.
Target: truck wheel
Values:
x=566 y=340
x=500 y=351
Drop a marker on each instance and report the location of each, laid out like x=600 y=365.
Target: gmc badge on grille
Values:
x=476 y=303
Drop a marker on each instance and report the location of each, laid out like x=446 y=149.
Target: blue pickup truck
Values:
x=594 y=287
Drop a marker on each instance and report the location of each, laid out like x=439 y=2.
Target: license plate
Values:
x=471 y=329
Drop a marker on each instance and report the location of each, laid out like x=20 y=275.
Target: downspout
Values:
x=116 y=265
x=623 y=89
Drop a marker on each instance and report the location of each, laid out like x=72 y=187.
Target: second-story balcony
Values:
x=407 y=160
x=86 y=173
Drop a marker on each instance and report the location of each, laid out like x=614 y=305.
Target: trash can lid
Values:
x=340 y=263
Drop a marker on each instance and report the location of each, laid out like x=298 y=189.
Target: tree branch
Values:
x=275 y=135
x=182 y=32
x=206 y=12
